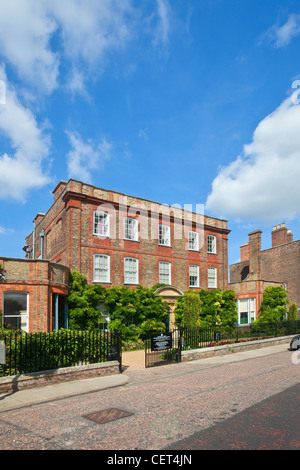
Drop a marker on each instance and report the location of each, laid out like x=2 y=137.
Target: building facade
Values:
x=118 y=240
x=258 y=269
x=33 y=297
x=115 y=239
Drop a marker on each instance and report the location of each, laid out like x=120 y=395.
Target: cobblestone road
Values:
x=166 y=404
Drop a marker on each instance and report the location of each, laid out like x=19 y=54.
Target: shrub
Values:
x=293 y=312
x=133 y=312
x=214 y=307
x=274 y=305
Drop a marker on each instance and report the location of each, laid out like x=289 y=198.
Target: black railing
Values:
x=163 y=348
x=194 y=338
x=34 y=352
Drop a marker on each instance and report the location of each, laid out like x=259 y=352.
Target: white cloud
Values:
x=90 y=29
x=163 y=26
x=83 y=30
x=23 y=170
x=263 y=182
x=143 y=135
x=5 y=231
x=84 y=157
x=25 y=33
x=282 y=35
x=43 y=39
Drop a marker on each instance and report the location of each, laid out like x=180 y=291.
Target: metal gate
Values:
x=163 y=348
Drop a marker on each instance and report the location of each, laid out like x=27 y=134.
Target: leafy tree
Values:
x=83 y=302
x=190 y=307
x=293 y=312
x=215 y=308
x=133 y=312
x=212 y=304
x=274 y=305
x=229 y=312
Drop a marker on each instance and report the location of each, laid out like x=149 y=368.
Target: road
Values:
x=218 y=403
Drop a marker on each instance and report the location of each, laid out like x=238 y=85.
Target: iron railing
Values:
x=166 y=352
x=34 y=352
x=194 y=338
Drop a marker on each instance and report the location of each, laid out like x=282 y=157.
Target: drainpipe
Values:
x=33 y=241
x=56 y=312
x=42 y=234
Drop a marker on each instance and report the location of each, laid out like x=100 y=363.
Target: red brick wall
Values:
x=282 y=264
x=40 y=280
x=279 y=264
x=69 y=237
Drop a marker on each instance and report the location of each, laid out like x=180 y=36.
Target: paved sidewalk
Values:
x=134 y=371
x=33 y=396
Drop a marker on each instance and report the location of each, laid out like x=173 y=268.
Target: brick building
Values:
x=258 y=269
x=33 y=295
x=115 y=239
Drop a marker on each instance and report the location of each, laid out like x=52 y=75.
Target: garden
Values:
x=104 y=321
x=207 y=317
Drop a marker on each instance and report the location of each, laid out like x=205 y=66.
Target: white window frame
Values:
x=134 y=235
x=106 y=224
x=211 y=244
x=128 y=271
x=99 y=278
x=192 y=274
x=164 y=235
x=212 y=281
x=23 y=316
x=162 y=265
x=193 y=240
x=250 y=318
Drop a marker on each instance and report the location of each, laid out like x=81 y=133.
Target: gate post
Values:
x=119 y=346
x=179 y=345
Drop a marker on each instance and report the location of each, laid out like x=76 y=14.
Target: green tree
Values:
x=133 y=312
x=228 y=313
x=83 y=303
x=191 y=305
x=274 y=305
x=212 y=304
x=215 y=308
x=293 y=312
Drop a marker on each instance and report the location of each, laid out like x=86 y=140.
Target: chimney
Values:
x=281 y=235
x=254 y=253
x=38 y=218
x=245 y=252
x=59 y=189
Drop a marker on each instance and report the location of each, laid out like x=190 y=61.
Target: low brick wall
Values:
x=202 y=353
x=14 y=383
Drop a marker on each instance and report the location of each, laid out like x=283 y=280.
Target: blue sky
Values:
x=176 y=101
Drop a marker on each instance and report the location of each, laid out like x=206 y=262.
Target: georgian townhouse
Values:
x=117 y=239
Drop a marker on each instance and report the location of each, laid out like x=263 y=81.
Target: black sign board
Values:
x=113 y=352
x=160 y=342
